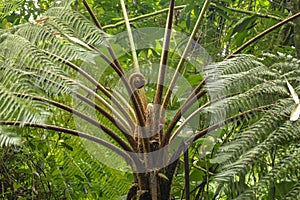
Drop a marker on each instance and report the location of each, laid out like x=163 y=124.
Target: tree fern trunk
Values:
x=153 y=185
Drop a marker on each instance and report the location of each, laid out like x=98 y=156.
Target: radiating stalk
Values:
x=127 y=132
x=184 y=55
x=97 y=23
x=131 y=159
x=201 y=133
x=164 y=55
x=91 y=80
x=130 y=37
x=138 y=104
x=128 y=123
x=92 y=121
x=192 y=98
x=162 y=70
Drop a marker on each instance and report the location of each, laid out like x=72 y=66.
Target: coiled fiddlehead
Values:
x=137 y=80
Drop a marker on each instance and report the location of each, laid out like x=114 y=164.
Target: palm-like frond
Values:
x=271 y=132
x=284 y=171
x=8 y=138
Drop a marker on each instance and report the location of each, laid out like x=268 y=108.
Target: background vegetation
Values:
x=253 y=156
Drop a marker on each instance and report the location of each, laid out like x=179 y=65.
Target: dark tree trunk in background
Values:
x=296 y=9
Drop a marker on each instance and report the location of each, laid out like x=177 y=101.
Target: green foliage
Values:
x=52 y=165
x=262 y=157
x=8 y=137
x=251 y=151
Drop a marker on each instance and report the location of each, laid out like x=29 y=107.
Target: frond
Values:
x=52 y=41
x=45 y=57
x=239 y=63
x=249 y=137
x=272 y=131
x=8 y=138
x=22 y=74
x=66 y=21
x=294 y=192
x=285 y=171
x=20 y=109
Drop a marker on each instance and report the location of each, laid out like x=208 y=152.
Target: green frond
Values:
x=233 y=83
x=66 y=21
x=284 y=134
x=272 y=131
x=257 y=132
x=53 y=42
x=22 y=54
x=239 y=63
x=33 y=64
x=262 y=94
x=8 y=138
x=285 y=171
x=294 y=192
x=278 y=60
x=24 y=71
x=21 y=109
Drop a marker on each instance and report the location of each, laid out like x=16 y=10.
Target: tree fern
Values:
x=49 y=61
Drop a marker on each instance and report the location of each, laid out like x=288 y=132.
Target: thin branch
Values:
x=191 y=116
x=162 y=68
x=184 y=55
x=117 y=69
x=130 y=126
x=203 y=170
x=257 y=37
x=141 y=98
x=183 y=146
x=126 y=132
x=195 y=113
x=135 y=99
x=249 y=12
x=138 y=105
x=123 y=101
x=108 y=131
x=164 y=55
x=145 y=16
